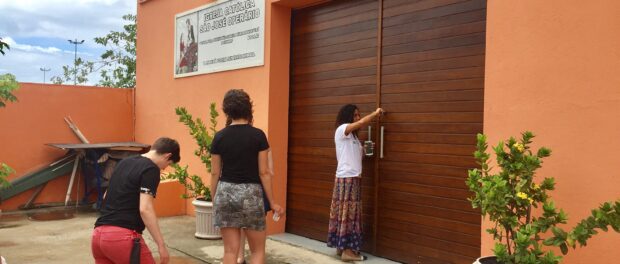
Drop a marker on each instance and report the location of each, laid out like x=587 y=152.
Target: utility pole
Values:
x=44 y=70
x=75 y=42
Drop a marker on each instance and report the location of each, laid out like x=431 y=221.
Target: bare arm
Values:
x=362 y=122
x=270 y=163
x=147 y=212
x=216 y=171
x=265 y=171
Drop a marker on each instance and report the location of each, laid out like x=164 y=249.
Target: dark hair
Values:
x=237 y=104
x=346 y=114
x=165 y=145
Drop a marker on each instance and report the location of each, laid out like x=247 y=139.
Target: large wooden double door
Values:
x=423 y=62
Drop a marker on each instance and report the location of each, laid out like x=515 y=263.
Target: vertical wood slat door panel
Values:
x=333 y=51
x=432 y=85
x=437 y=64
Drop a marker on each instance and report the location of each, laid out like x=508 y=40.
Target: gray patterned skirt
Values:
x=239 y=205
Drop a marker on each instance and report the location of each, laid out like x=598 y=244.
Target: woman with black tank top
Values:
x=239 y=167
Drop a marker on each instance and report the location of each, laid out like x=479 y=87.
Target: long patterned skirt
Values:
x=345 y=217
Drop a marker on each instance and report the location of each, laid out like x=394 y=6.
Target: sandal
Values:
x=339 y=252
x=349 y=258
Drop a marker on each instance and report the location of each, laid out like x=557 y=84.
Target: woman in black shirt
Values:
x=239 y=167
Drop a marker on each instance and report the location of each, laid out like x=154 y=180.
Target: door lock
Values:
x=369 y=146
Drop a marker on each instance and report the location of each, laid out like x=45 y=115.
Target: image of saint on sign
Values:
x=187 y=47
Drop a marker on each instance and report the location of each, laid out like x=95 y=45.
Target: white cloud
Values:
x=66 y=19
x=24 y=47
x=37 y=32
x=38 y=4
x=25 y=65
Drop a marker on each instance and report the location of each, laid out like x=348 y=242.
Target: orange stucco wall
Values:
x=168 y=201
x=158 y=93
x=553 y=67
x=102 y=114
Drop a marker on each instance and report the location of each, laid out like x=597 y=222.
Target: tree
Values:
x=8 y=85
x=525 y=221
x=80 y=71
x=5 y=171
x=117 y=66
x=3 y=45
x=119 y=62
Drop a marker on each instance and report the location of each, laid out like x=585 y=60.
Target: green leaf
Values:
x=5 y=171
x=562 y=217
x=548 y=184
x=550 y=241
x=8 y=85
x=543 y=152
x=522 y=238
x=501 y=251
x=550 y=258
x=559 y=233
x=564 y=248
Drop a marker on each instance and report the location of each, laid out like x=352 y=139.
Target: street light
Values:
x=44 y=70
x=75 y=42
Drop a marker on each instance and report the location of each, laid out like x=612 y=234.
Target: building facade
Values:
x=443 y=70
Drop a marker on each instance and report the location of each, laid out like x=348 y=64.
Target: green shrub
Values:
x=508 y=196
x=203 y=137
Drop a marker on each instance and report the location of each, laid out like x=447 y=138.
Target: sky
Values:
x=38 y=31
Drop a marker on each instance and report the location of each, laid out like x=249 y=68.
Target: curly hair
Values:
x=346 y=114
x=237 y=104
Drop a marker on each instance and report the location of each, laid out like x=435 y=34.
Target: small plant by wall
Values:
x=508 y=196
x=203 y=137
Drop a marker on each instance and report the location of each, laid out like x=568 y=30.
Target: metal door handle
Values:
x=381 y=147
x=369 y=146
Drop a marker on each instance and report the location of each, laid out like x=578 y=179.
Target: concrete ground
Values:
x=43 y=236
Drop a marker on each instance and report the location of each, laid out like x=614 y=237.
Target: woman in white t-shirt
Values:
x=345 y=217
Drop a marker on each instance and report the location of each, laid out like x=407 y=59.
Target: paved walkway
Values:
x=24 y=240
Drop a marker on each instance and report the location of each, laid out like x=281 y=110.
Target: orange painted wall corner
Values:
x=168 y=201
x=554 y=69
x=102 y=115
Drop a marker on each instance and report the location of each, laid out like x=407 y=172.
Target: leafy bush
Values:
x=508 y=196
x=5 y=171
x=203 y=137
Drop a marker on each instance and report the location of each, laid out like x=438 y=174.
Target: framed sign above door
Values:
x=221 y=36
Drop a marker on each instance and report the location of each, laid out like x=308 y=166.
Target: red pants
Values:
x=112 y=245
